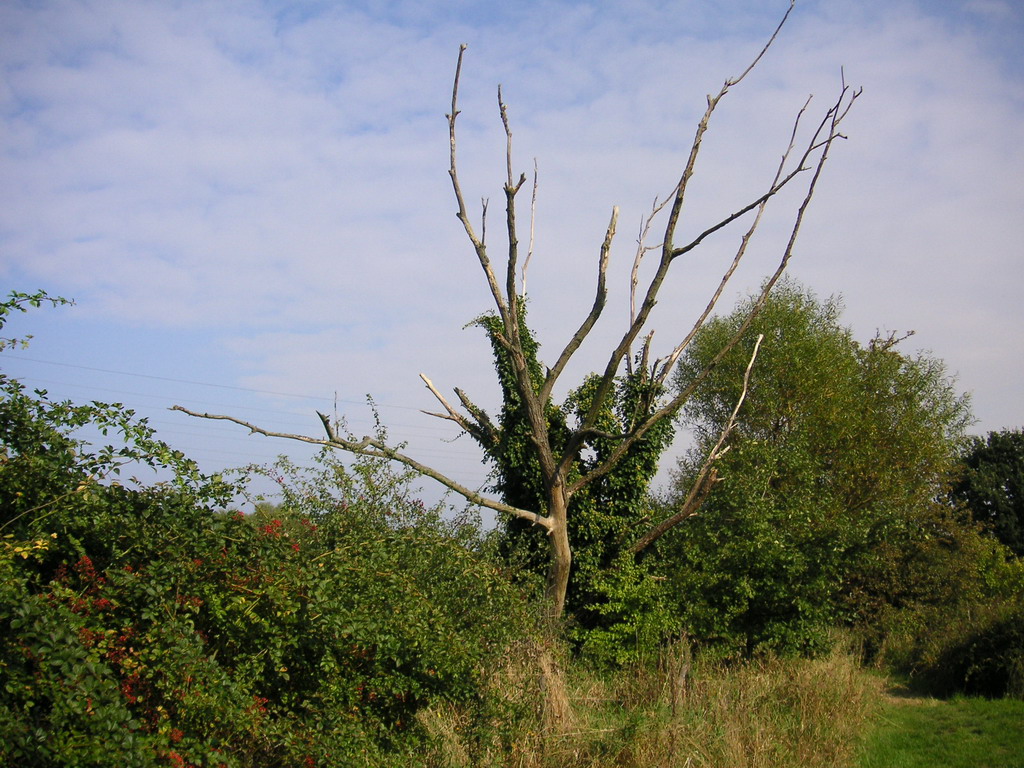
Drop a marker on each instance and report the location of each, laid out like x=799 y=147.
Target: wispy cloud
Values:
x=273 y=175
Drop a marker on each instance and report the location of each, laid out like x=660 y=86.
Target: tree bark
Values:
x=561 y=552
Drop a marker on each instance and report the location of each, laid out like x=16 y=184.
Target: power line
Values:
x=169 y=427
x=206 y=383
x=124 y=394
x=469 y=461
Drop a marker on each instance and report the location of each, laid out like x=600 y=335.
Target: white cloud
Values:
x=276 y=173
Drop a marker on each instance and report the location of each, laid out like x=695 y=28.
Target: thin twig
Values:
x=369 y=446
x=533 y=222
x=707 y=478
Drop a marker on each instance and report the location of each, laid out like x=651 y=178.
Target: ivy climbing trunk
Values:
x=579 y=471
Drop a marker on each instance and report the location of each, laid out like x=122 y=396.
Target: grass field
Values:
x=911 y=732
x=767 y=713
x=827 y=712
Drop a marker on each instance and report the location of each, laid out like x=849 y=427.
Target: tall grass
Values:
x=674 y=712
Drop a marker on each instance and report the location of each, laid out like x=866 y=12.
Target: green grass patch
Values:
x=954 y=733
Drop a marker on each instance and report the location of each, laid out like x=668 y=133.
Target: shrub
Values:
x=989 y=661
x=967 y=634
x=145 y=625
x=168 y=630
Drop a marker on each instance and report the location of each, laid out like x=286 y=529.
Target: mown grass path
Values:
x=912 y=732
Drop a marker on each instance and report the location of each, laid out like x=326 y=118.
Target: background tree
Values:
x=992 y=485
x=554 y=450
x=838 y=449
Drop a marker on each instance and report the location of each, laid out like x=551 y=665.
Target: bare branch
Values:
x=641 y=250
x=481 y=417
x=463 y=213
x=753 y=204
x=507 y=302
x=483 y=219
x=638 y=320
x=511 y=189
x=668 y=364
x=702 y=127
x=767 y=45
x=780 y=181
x=452 y=414
x=716 y=452
x=830 y=126
x=707 y=478
x=509 y=305
x=884 y=343
x=533 y=221
x=668 y=252
x=369 y=446
x=699 y=492
x=480 y=429
x=595 y=311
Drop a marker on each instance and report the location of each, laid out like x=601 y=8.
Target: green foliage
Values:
x=967 y=633
x=143 y=625
x=92 y=573
x=249 y=641
x=987 y=659
x=943 y=604
x=616 y=609
x=626 y=615
x=21 y=302
x=516 y=469
x=616 y=602
x=839 y=448
x=992 y=485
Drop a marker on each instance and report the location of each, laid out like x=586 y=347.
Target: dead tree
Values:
x=802 y=163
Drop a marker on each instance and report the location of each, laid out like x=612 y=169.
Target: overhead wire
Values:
x=468 y=461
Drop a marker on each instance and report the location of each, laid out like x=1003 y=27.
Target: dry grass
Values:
x=776 y=712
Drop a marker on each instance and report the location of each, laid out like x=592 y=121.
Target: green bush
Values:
x=990 y=660
x=971 y=649
x=964 y=634
x=142 y=624
x=145 y=629
x=839 y=449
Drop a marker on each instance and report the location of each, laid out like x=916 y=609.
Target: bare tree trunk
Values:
x=561 y=553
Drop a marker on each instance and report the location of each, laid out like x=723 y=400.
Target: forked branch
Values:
x=707 y=477
x=368 y=446
x=666 y=366
x=463 y=213
x=821 y=142
x=506 y=302
x=595 y=310
x=669 y=253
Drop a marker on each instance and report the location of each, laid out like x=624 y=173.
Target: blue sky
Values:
x=249 y=201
